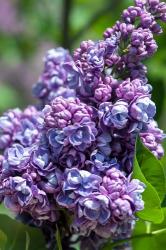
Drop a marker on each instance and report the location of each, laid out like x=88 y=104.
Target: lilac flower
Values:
x=103 y=143
x=64 y=112
x=114 y=115
x=21 y=194
x=16 y=158
x=51 y=181
x=81 y=136
x=40 y=159
x=77 y=183
x=115 y=203
x=56 y=140
x=72 y=158
x=142 y=109
x=152 y=138
x=96 y=57
x=129 y=89
x=59 y=71
x=101 y=162
x=93 y=208
x=18 y=126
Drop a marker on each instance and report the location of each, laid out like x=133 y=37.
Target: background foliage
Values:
x=27 y=30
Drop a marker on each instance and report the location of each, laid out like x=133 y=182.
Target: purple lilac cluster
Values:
x=74 y=154
x=58 y=77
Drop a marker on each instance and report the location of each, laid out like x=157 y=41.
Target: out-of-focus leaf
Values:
x=158 y=94
x=5 y=211
x=58 y=239
x=3 y=240
x=152 y=208
x=107 y=246
x=152 y=169
x=16 y=235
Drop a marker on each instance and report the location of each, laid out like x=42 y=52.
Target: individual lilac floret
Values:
x=100 y=162
x=81 y=136
x=142 y=109
x=115 y=115
x=41 y=160
x=72 y=158
x=51 y=182
x=152 y=138
x=19 y=126
x=63 y=112
x=112 y=206
x=16 y=158
x=77 y=183
x=92 y=210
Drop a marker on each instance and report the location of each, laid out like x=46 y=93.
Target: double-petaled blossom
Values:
x=18 y=126
x=100 y=162
x=77 y=183
x=16 y=157
x=142 y=109
x=81 y=136
x=72 y=158
x=115 y=115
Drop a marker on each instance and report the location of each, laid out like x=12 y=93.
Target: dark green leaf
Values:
x=3 y=240
x=152 y=210
x=152 y=169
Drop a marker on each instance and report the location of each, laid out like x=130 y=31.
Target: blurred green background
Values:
x=29 y=28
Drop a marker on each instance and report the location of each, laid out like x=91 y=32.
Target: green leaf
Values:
x=16 y=235
x=152 y=209
x=107 y=246
x=58 y=239
x=5 y=211
x=3 y=240
x=152 y=169
x=153 y=241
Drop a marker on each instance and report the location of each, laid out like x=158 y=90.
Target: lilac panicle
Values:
x=71 y=158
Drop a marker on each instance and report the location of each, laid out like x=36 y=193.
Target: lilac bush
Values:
x=74 y=152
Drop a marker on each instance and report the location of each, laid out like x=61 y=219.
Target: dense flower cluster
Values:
x=75 y=152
